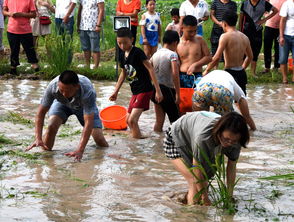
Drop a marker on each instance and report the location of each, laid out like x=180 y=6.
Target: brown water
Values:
x=132 y=180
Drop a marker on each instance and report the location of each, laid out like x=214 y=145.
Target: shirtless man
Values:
x=193 y=53
x=234 y=45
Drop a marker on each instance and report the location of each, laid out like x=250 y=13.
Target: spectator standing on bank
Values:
x=64 y=16
x=271 y=34
x=250 y=23
x=130 y=8
x=286 y=37
x=175 y=24
x=90 y=17
x=44 y=10
x=19 y=31
x=1 y=29
x=197 y=8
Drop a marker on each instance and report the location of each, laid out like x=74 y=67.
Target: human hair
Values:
x=235 y=123
x=124 y=32
x=175 y=12
x=147 y=1
x=190 y=20
x=230 y=17
x=170 y=36
x=68 y=77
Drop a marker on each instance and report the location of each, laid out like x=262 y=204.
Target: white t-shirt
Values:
x=226 y=80
x=201 y=10
x=62 y=7
x=287 y=10
x=89 y=15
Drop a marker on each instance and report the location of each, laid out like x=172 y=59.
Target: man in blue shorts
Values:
x=66 y=95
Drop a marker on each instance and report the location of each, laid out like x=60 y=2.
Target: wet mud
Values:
x=132 y=180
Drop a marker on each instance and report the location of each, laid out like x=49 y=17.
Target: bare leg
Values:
x=152 y=50
x=147 y=50
x=96 y=58
x=99 y=138
x=191 y=180
x=133 y=119
x=160 y=116
x=87 y=55
x=284 y=70
x=35 y=41
x=53 y=126
x=253 y=68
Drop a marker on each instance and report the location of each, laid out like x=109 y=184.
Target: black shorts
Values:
x=168 y=103
x=240 y=77
x=255 y=39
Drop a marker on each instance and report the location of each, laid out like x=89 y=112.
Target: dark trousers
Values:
x=26 y=40
x=134 y=33
x=271 y=36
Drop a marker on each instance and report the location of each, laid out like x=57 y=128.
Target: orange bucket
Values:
x=290 y=64
x=186 y=99
x=114 y=117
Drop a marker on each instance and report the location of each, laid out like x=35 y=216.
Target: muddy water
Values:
x=132 y=180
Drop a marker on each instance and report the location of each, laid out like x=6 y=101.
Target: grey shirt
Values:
x=162 y=63
x=192 y=134
x=84 y=99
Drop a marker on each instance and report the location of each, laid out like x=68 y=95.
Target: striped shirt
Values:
x=219 y=9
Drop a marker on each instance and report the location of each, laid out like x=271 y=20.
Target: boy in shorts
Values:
x=166 y=65
x=138 y=71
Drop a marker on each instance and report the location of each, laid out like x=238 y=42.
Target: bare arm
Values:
x=87 y=130
x=213 y=18
x=274 y=12
x=149 y=67
x=39 y=123
x=79 y=17
x=143 y=33
x=217 y=56
x=282 y=30
x=48 y=5
x=70 y=10
x=118 y=85
x=249 y=55
x=231 y=176
x=243 y=107
x=176 y=79
x=100 y=16
x=133 y=14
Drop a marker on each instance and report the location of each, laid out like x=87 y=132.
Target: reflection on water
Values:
x=132 y=180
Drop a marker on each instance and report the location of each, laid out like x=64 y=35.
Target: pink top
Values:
x=19 y=25
x=275 y=21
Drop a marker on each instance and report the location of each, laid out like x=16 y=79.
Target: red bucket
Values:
x=186 y=99
x=114 y=117
x=290 y=64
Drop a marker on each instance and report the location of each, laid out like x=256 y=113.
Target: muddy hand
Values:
x=36 y=144
x=76 y=154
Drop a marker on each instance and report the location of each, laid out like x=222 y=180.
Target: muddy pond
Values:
x=132 y=180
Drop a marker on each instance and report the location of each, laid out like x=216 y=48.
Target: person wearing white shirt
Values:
x=219 y=90
x=197 y=8
x=64 y=16
x=286 y=38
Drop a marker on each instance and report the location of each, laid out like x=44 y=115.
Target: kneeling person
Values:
x=69 y=94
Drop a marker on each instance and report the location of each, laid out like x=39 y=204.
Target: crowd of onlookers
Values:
x=30 y=19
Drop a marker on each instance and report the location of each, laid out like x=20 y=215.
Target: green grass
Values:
x=5 y=140
x=17 y=118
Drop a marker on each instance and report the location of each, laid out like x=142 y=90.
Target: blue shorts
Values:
x=90 y=41
x=62 y=111
x=61 y=27
x=188 y=81
x=152 y=38
x=286 y=48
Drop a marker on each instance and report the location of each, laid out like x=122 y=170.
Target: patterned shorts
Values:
x=171 y=151
x=211 y=94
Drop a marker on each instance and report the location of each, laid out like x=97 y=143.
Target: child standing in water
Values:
x=150 y=29
x=138 y=70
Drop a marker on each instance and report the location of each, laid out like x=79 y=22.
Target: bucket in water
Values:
x=290 y=64
x=114 y=117
x=186 y=99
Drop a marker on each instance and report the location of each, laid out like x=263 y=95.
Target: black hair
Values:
x=147 y=1
x=190 y=20
x=235 y=123
x=170 y=36
x=230 y=17
x=175 y=12
x=124 y=32
x=68 y=77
